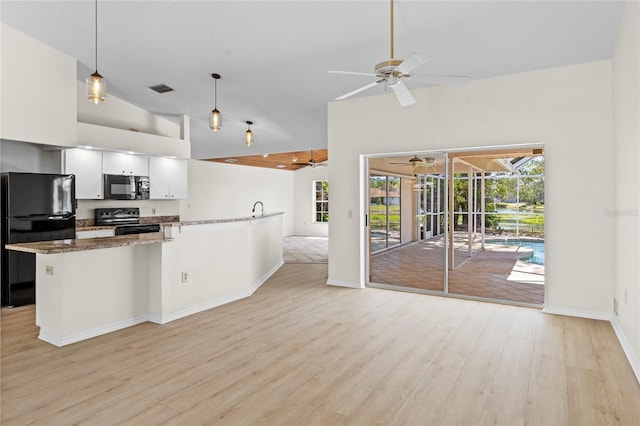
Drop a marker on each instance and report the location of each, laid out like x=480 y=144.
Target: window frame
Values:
x=323 y=201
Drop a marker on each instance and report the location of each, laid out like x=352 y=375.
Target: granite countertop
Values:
x=66 y=246
x=235 y=219
x=92 y=228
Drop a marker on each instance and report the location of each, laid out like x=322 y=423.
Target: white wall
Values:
x=626 y=210
x=120 y=114
x=25 y=157
x=223 y=191
x=303 y=195
x=38 y=91
x=566 y=108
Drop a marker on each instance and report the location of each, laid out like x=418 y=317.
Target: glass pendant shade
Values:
x=248 y=135
x=96 y=88
x=215 y=120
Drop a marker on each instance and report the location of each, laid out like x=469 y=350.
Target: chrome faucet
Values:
x=253 y=210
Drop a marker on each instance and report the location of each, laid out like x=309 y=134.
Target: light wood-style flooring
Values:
x=301 y=352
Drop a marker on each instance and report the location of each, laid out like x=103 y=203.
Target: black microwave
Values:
x=126 y=187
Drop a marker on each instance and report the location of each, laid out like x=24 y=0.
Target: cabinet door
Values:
x=138 y=165
x=114 y=163
x=159 y=177
x=179 y=179
x=86 y=164
x=118 y=163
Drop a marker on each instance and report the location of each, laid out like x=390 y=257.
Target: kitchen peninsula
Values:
x=89 y=287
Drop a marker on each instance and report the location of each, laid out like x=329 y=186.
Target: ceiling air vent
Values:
x=161 y=88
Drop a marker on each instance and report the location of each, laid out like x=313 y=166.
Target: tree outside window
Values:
x=321 y=201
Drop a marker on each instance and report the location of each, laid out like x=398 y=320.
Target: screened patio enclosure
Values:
x=467 y=223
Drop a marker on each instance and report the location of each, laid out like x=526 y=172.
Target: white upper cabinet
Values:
x=168 y=178
x=180 y=179
x=86 y=164
x=117 y=163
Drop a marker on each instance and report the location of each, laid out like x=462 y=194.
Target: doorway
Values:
x=477 y=220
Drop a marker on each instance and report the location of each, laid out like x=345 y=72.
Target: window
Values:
x=321 y=201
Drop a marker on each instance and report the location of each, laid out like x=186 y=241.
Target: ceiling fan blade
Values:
x=403 y=94
x=364 y=74
x=413 y=61
x=441 y=79
x=361 y=89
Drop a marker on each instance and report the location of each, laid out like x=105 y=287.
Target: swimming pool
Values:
x=537 y=246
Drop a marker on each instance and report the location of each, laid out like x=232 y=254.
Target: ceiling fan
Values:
x=392 y=72
x=311 y=163
x=418 y=165
x=415 y=160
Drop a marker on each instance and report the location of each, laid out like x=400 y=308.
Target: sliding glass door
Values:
x=472 y=223
x=384 y=211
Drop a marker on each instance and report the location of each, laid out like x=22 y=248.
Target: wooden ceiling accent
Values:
x=294 y=160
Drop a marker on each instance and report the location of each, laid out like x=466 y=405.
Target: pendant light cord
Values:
x=96 y=22
x=215 y=93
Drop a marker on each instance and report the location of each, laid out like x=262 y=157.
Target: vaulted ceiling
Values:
x=274 y=55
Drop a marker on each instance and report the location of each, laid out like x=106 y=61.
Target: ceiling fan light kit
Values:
x=96 y=85
x=215 y=118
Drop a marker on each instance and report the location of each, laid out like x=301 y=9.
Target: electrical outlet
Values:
x=153 y=210
x=48 y=269
x=185 y=277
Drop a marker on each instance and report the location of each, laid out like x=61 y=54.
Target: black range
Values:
x=126 y=220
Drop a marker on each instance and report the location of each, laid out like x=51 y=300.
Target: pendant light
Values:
x=96 y=85
x=248 y=135
x=215 y=119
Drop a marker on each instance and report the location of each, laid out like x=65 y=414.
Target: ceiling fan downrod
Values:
x=391 y=29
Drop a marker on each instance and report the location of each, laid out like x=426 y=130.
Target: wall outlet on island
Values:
x=153 y=210
x=185 y=277
x=48 y=269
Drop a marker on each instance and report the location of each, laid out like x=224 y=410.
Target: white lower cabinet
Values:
x=168 y=178
x=86 y=164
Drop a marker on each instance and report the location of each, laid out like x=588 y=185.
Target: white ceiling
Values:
x=273 y=55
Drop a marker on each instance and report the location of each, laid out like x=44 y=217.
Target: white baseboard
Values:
x=265 y=277
x=165 y=318
x=603 y=316
x=347 y=284
x=58 y=340
x=626 y=347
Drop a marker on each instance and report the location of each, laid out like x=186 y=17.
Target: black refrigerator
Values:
x=35 y=207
